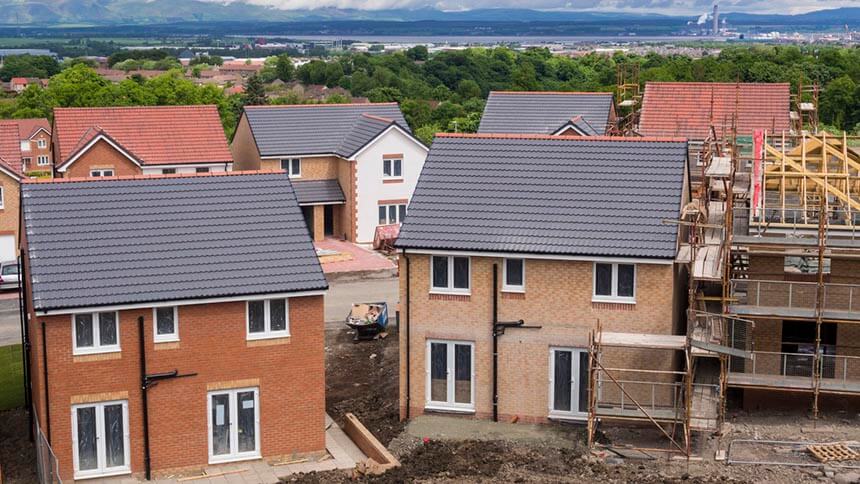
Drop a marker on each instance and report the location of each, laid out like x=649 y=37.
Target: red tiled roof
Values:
x=28 y=127
x=690 y=108
x=157 y=135
x=10 y=145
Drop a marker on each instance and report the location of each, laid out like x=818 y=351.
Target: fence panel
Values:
x=47 y=468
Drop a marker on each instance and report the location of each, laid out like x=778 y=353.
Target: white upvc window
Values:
x=392 y=214
x=450 y=274
x=101 y=172
x=293 y=167
x=269 y=318
x=100 y=439
x=95 y=332
x=450 y=381
x=42 y=143
x=392 y=168
x=568 y=383
x=234 y=424
x=25 y=145
x=514 y=275
x=614 y=282
x=165 y=324
x=42 y=160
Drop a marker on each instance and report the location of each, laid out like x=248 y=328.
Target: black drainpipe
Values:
x=45 y=377
x=408 y=322
x=495 y=343
x=143 y=385
x=25 y=346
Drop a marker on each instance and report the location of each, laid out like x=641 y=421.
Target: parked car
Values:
x=9 y=278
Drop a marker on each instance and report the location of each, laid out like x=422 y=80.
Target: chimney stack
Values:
x=716 y=30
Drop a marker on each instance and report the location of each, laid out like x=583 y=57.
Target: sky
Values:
x=682 y=7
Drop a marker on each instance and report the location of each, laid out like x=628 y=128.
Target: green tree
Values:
x=284 y=68
x=39 y=66
x=78 y=86
x=468 y=89
x=418 y=53
x=384 y=94
x=426 y=133
x=255 y=92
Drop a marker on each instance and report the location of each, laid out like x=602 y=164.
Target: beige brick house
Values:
x=516 y=245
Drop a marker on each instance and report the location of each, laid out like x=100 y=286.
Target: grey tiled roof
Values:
x=308 y=129
x=544 y=113
x=95 y=243
x=318 y=191
x=548 y=195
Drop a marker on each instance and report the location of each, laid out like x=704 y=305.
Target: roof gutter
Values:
x=532 y=255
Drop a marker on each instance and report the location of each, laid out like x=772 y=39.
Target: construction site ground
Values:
x=362 y=378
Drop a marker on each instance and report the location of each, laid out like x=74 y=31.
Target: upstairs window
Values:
x=293 y=167
x=515 y=275
x=168 y=171
x=614 y=282
x=392 y=168
x=25 y=146
x=42 y=143
x=95 y=332
x=450 y=274
x=392 y=214
x=101 y=172
x=202 y=169
x=268 y=318
x=166 y=324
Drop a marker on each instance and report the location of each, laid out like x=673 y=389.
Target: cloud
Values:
x=682 y=7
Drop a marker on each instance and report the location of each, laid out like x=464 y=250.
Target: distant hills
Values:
x=118 y=12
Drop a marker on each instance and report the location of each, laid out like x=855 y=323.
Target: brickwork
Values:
x=101 y=155
x=290 y=377
x=10 y=213
x=347 y=176
x=246 y=156
x=319 y=223
x=557 y=297
x=35 y=152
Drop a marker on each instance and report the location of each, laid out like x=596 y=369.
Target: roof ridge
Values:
x=157 y=176
x=602 y=93
x=136 y=108
x=704 y=83
x=377 y=118
x=647 y=139
x=317 y=105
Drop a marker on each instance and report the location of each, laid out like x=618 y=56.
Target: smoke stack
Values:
x=716 y=20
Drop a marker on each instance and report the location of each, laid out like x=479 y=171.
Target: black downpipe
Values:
x=25 y=348
x=408 y=323
x=45 y=377
x=143 y=387
x=495 y=343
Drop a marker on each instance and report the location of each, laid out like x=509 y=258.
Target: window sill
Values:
x=226 y=459
x=100 y=351
x=392 y=180
x=118 y=472
x=443 y=292
x=267 y=336
x=514 y=290
x=166 y=339
x=611 y=300
x=446 y=409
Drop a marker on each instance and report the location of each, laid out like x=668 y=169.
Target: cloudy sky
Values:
x=682 y=7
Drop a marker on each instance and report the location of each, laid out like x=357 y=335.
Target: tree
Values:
x=418 y=53
x=384 y=95
x=468 y=89
x=39 y=66
x=255 y=92
x=426 y=133
x=333 y=73
x=284 y=68
x=78 y=86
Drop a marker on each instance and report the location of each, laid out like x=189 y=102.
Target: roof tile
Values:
x=545 y=112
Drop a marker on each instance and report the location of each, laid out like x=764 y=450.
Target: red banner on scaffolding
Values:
x=758 y=158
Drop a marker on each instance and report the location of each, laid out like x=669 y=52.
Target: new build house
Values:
x=556 y=113
x=173 y=322
x=353 y=166
x=148 y=140
x=35 y=136
x=516 y=246
x=10 y=180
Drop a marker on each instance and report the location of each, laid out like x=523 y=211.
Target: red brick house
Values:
x=202 y=290
x=35 y=138
x=10 y=180
x=148 y=140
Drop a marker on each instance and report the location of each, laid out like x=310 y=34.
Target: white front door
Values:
x=7 y=248
x=450 y=375
x=568 y=383
x=100 y=439
x=234 y=425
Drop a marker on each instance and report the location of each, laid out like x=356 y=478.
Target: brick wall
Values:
x=101 y=155
x=246 y=156
x=35 y=152
x=10 y=212
x=557 y=297
x=289 y=372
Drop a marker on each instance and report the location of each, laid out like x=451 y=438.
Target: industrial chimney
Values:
x=716 y=30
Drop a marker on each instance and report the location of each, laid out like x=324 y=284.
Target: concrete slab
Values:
x=359 y=258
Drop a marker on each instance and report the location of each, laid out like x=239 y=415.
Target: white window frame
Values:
x=102 y=172
x=289 y=168
x=450 y=289
x=101 y=471
x=267 y=318
x=614 y=297
x=512 y=288
x=42 y=143
x=97 y=346
x=574 y=387
x=450 y=405
x=234 y=455
x=43 y=160
x=165 y=338
x=397 y=220
x=25 y=145
x=2 y=197
x=392 y=176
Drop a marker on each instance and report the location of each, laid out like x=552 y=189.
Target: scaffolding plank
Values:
x=721 y=349
x=720 y=167
x=642 y=340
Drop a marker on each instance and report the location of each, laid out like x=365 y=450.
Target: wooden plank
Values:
x=721 y=349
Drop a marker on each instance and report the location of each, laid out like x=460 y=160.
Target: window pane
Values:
x=462 y=374
x=297 y=166
x=386 y=167
x=87 y=453
x=440 y=271
x=398 y=167
x=402 y=213
x=561 y=381
x=439 y=372
x=583 y=381
x=114 y=436
x=383 y=214
x=220 y=424
x=107 y=329
x=202 y=169
x=603 y=279
x=256 y=319
x=83 y=330
x=246 y=415
x=461 y=272
x=392 y=214
x=514 y=272
x=107 y=173
x=165 y=323
x=278 y=314
x=285 y=165
x=625 y=280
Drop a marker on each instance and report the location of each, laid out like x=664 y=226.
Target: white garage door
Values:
x=7 y=248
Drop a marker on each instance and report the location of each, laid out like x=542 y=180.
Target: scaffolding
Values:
x=804 y=116
x=628 y=99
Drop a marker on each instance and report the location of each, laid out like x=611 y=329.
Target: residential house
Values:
x=181 y=324
x=18 y=84
x=244 y=69
x=514 y=248
x=122 y=141
x=556 y=113
x=36 y=154
x=692 y=109
x=353 y=166
x=10 y=180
